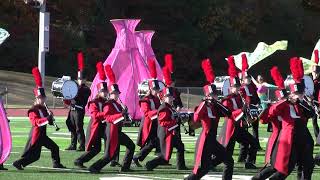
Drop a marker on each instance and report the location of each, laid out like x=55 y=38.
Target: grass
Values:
x=42 y=168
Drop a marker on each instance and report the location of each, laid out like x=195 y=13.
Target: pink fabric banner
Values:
x=129 y=66
x=5 y=135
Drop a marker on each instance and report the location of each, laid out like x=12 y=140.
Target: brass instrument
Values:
x=127 y=116
x=313 y=103
x=252 y=113
x=53 y=120
x=186 y=117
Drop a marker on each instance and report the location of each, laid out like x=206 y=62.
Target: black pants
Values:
x=75 y=126
x=315 y=125
x=242 y=136
x=213 y=148
x=88 y=155
x=151 y=142
x=32 y=153
x=123 y=140
x=160 y=160
x=244 y=148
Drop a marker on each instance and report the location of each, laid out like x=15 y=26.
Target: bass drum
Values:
x=66 y=89
x=308 y=82
x=143 y=88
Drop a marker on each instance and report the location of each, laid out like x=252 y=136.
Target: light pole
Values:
x=44 y=25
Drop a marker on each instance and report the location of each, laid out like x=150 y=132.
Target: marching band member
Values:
x=96 y=127
x=39 y=117
x=177 y=103
x=248 y=91
x=275 y=122
x=209 y=112
x=77 y=110
x=114 y=114
x=234 y=128
x=294 y=143
x=147 y=137
x=167 y=135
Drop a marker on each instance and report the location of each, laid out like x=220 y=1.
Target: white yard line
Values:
x=57 y=169
x=153 y=177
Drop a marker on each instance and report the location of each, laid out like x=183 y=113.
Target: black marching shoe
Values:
x=136 y=162
x=71 y=148
x=125 y=169
x=183 y=168
x=191 y=177
x=79 y=164
x=115 y=164
x=58 y=165
x=3 y=168
x=249 y=165
x=17 y=165
x=148 y=167
x=93 y=170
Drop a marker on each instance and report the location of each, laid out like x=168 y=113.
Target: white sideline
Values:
x=43 y=167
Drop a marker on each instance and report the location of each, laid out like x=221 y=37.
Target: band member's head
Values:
x=281 y=92
x=40 y=95
x=233 y=76
x=295 y=97
x=297 y=86
x=80 y=68
x=210 y=89
x=102 y=87
x=113 y=87
x=153 y=83
x=167 y=94
x=39 y=92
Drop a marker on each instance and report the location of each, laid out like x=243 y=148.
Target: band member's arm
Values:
x=95 y=113
x=198 y=114
x=36 y=120
x=164 y=118
x=235 y=114
x=145 y=108
x=111 y=116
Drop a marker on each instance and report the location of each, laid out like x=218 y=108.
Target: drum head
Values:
x=69 y=90
x=225 y=87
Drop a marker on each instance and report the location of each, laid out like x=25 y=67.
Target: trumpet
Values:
x=53 y=120
x=125 y=109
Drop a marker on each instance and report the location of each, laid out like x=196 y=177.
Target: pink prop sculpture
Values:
x=5 y=135
x=128 y=65
x=144 y=38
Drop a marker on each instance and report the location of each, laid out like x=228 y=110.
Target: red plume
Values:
x=277 y=78
x=37 y=76
x=167 y=75
x=80 y=61
x=169 y=62
x=296 y=68
x=208 y=70
x=152 y=68
x=232 y=70
x=100 y=71
x=245 y=65
x=316 y=56
x=110 y=74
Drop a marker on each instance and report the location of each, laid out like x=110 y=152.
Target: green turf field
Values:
x=42 y=169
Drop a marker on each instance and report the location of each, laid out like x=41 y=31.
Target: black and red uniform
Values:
x=147 y=137
x=293 y=144
x=233 y=130
x=168 y=138
x=115 y=137
x=207 y=145
x=95 y=130
x=76 y=114
x=39 y=118
x=249 y=93
x=176 y=98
